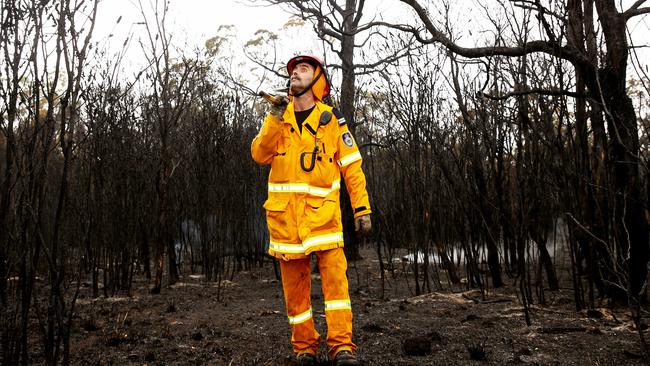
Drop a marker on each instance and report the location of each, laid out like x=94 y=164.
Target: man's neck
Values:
x=303 y=102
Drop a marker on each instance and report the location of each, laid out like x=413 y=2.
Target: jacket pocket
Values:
x=323 y=214
x=324 y=171
x=277 y=219
x=280 y=167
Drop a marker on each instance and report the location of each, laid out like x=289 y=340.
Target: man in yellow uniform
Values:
x=309 y=147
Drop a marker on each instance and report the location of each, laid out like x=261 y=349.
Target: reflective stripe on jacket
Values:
x=302 y=210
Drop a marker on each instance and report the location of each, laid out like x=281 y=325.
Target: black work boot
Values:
x=306 y=359
x=345 y=358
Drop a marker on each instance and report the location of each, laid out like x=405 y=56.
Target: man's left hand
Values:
x=362 y=224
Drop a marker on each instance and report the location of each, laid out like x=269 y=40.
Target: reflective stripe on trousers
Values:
x=300 y=318
x=338 y=305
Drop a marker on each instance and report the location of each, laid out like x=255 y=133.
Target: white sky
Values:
x=192 y=22
x=199 y=19
x=195 y=21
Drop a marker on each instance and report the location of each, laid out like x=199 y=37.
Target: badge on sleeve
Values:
x=347 y=139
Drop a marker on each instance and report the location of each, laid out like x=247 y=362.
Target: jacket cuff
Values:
x=361 y=211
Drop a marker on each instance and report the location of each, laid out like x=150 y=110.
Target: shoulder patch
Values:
x=347 y=138
x=339 y=115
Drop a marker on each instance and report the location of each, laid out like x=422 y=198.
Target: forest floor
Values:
x=188 y=325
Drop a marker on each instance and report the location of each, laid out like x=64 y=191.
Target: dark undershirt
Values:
x=302 y=116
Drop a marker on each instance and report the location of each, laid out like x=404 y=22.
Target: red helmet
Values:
x=320 y=86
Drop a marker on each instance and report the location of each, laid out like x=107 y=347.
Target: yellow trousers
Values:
x=296 y=282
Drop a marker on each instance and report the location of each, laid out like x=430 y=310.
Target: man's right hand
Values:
x=277 y=110
x=363 y=225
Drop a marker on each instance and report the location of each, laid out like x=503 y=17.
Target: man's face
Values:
x=301 y=76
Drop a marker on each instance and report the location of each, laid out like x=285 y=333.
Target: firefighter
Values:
x=310 y=148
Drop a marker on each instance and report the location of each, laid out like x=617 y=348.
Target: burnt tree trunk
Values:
x=348 y=81
x=606 y=84
x=630 y=227
x=161 y=230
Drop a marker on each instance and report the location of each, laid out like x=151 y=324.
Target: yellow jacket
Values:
x=303 y=210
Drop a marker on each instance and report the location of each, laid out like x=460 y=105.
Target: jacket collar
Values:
x=312 y=120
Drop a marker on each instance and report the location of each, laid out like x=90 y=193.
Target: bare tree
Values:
x=605 y=81
x=169 y=79
x=41 y=129
x=74 y=45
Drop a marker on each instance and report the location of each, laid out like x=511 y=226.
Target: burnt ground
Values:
x=187 y=325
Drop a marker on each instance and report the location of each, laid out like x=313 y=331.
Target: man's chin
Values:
x=296 y=90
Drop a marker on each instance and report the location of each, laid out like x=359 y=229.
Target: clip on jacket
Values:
x=325 y=118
